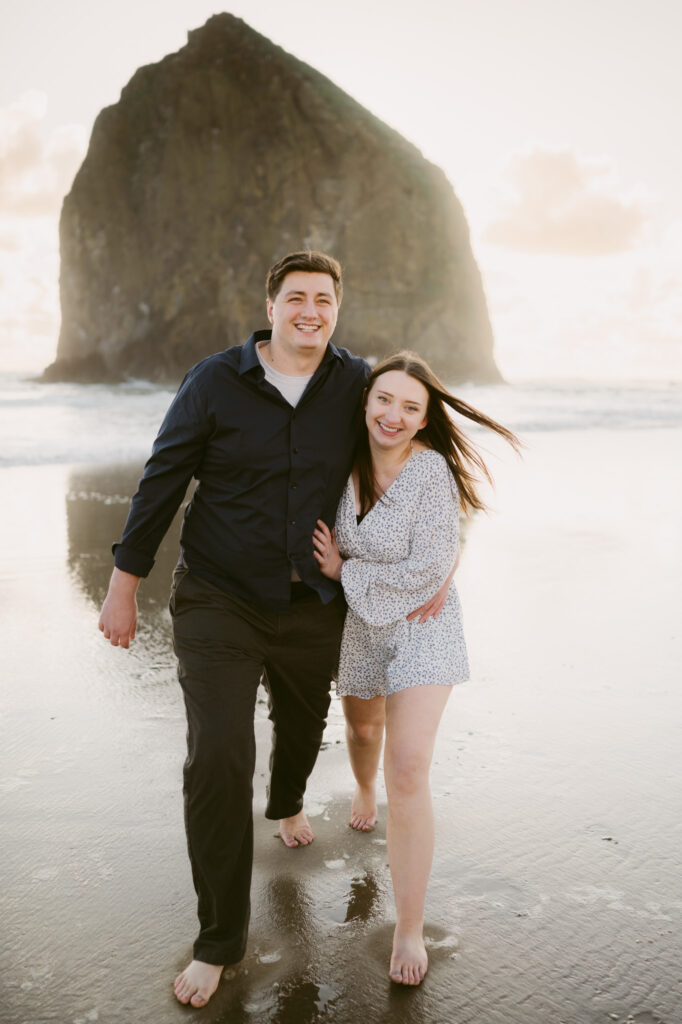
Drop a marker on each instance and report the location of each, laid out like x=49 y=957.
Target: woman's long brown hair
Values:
x=440 y=433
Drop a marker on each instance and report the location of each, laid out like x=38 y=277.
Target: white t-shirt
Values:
x=289 y=387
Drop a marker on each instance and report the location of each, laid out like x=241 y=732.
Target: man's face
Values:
x=304 y=313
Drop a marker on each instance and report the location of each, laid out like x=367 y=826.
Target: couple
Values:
x=269 y=432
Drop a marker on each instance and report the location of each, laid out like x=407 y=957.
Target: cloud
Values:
x=36 y=166
x=567 y=317
x=565 y=204
x=29 y=296
x=10 y=238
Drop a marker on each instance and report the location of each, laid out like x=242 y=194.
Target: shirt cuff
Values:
x=129 y=560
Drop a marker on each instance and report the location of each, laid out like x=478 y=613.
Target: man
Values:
x=267 y=430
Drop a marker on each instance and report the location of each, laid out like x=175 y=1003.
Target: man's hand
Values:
x=118 y=620
x=435 y=606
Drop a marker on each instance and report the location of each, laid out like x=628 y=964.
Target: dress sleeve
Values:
x=382 y=593
x=175 y=458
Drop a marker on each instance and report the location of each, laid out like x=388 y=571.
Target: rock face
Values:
x=217 y=161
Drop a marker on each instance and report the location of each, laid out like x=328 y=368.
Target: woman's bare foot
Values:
x=197 y=983
x=296 y=831
x=363 y=810
x=409 y=962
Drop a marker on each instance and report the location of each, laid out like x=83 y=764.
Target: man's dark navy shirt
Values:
x=266 y=472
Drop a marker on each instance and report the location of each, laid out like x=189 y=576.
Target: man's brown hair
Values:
x=311 y=262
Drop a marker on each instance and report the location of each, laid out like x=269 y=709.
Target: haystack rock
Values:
x=217 y=161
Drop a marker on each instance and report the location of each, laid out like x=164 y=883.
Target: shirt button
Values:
x=292 y=522
x=295 y=451
x=294 y=486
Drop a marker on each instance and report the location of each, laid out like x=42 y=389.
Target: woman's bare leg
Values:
x=364 y=735
x=412 y=718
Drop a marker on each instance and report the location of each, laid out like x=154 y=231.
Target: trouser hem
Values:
x=221 y=956
x=277 y=813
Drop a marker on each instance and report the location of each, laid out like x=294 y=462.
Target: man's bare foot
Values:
x=197 y=983
x=409 y=962
x=296 y=831
x=363 y=810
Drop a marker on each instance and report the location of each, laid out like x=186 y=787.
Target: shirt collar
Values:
x=249 y=356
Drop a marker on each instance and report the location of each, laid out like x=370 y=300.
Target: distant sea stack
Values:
x=217 y=161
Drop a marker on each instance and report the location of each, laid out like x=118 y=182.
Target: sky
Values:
x=556 y=122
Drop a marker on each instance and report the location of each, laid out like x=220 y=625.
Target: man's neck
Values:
x=294 y=364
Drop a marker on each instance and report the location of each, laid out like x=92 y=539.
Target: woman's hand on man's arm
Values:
x=326 y=551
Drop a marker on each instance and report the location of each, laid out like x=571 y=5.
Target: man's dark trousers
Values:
x=223 y=644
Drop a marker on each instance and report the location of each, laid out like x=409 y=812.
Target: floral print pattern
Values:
x=397 y=557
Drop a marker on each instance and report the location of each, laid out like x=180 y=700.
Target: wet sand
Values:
x=556 y=893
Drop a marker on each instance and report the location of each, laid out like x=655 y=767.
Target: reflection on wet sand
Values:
x=365 y=898
x=302 y=1001
x=97 y=502
x=289 y=907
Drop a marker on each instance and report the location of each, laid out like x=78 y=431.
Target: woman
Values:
x=395 y=543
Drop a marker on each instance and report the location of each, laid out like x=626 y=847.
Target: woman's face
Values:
x=395 y=409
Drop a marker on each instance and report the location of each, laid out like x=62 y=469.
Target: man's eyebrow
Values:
x=298 y=291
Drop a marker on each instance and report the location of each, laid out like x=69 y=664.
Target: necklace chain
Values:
x=381 y=490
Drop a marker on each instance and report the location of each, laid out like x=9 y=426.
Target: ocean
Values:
x=43 y=424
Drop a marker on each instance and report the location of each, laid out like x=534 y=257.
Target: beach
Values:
x=556 y=893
